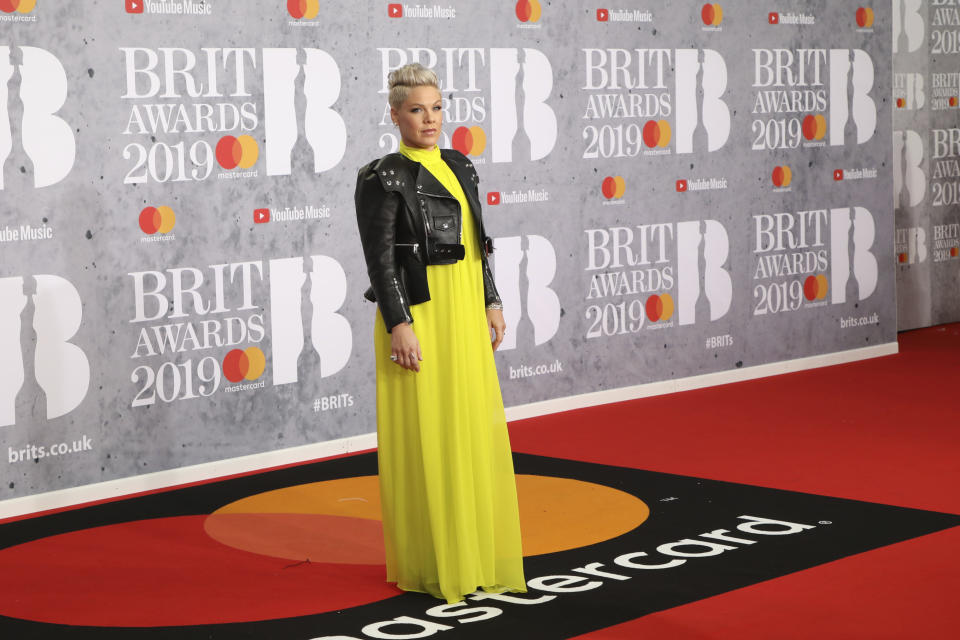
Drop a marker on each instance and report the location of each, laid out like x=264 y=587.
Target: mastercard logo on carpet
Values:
x=864 y=17
x=297 y=552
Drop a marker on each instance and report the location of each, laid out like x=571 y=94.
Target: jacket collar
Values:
x=465 y=177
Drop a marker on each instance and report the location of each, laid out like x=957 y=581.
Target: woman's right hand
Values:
x=405 y=346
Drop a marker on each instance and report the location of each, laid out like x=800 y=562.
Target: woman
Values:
x=447 y=487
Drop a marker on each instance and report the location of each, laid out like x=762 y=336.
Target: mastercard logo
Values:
x=953 y=101
x=902 y=258
x=242 y=152
x=613 y=187
x=470 y=141
x=865 y=17
x=20 y=6
x=528 y=10
x=244 y=364
x=303 y=8
x=954 y=252
x=712 y=14
x=814 y=127
x=657 y=133
x=815 y=287
x=157 y=220
x=782 y=176
x=659 y=307
x=901 y=103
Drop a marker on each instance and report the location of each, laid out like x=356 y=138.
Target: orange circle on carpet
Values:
x=339 y=520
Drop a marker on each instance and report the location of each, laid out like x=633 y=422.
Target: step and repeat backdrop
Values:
x=926 y=160
x=674 y=188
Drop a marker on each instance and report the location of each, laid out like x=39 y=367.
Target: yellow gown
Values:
x=450 y=518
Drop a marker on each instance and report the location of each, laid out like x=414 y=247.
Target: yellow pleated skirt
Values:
x=450 y=518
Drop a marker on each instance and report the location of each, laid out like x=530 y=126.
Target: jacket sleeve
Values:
x=377 y=211
x=490 y=294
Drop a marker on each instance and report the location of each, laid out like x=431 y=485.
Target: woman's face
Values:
x=420 y=117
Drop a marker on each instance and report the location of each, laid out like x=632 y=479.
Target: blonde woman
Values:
x=450 y=517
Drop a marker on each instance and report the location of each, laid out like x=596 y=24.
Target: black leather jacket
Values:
x=408 y=220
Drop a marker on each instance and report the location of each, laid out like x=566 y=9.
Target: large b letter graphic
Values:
x=47 y=140
x=323 y=127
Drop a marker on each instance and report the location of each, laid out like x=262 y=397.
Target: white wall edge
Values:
x=184 y=475
x=259 y=461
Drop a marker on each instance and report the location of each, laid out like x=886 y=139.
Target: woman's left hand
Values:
x=496 y=323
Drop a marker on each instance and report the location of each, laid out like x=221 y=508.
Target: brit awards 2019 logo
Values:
x=504 y=111
x=644 y=275
x=910 y=245
x=175 y=93
x=207 y=324
x=631 y=99
x=43 y=141
x=945 y=179
x=800 y=257
x=793 y=103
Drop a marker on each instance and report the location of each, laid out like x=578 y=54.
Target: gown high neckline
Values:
x=423 y=156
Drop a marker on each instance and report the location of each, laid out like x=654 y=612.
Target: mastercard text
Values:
x=751 y=530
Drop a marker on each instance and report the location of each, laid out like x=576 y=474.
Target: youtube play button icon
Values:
x=134 y=6
x=261 y=216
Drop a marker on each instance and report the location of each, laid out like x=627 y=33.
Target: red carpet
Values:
x=884 y=430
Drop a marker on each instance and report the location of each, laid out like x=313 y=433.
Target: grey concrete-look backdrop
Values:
x=926 y=64
x=674 y=189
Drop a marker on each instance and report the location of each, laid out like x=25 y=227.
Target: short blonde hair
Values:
x=402 y=80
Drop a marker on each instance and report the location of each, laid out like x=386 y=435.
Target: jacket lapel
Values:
x=467 y=184
x=429 y=185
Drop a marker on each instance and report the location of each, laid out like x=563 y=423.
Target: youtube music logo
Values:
x=681 y=186
x=493 y=197
x=395 y=10
x=603 y=15
x=261 y=216
x=773 y=18
x=134 y=6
